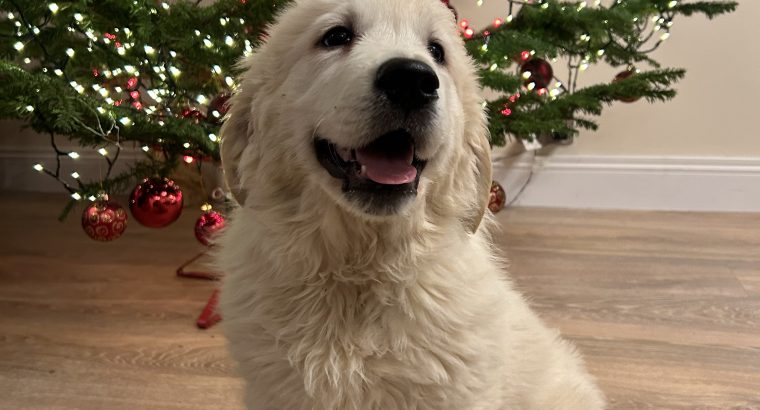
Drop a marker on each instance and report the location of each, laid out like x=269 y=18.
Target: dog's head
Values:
x=376 y=102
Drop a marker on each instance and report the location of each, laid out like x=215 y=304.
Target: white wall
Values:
x=716 y=110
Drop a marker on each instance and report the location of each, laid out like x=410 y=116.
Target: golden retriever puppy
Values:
x=359 y=272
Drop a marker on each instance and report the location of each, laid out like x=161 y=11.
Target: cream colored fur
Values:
x=327 y=307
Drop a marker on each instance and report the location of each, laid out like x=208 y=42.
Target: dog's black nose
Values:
x=408 y=84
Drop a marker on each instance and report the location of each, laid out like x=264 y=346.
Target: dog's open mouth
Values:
x=386 y=167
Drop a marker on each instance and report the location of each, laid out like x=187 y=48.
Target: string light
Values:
x=146 y=148
x=75 y=175
x=29 y=108
x=213 y=137
x=103 y=152
x=18 y=46
x=53 y=7
x=70 y=52
x=74 y=155
x=38 y=167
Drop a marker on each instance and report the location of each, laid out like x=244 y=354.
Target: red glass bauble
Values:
x=193 y=114
x=622 y=76
x=541 y=72
x=496 y=198
x=156 y=202
x=207 y=226
x=218 y=104
x=104 y=220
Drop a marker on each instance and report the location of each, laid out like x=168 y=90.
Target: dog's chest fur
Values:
x=371 y=333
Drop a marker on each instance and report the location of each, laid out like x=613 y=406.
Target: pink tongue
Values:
x=388 y=169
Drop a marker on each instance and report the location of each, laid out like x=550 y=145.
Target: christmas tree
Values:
x=116 y=74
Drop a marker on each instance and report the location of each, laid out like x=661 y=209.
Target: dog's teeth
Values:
x=344 y=153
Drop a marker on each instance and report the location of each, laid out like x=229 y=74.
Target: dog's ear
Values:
x=235 y=136
x=478 y=145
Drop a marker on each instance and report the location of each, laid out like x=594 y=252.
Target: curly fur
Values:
x=327 y=307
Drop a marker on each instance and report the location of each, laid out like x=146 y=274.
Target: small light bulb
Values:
x=75 y=175
x=149 y=50
x=201 y=99
x=70 y=52
x=186 y=145
x=222 y=21
x=103 y=152
x=78 y=17
x=216 y=69
x=165 y=6
x=672 y=4
x=53 y=7
x=76 y=196
x=29 y=108
x=125 y=121
x=213 y=137
x=73 y=155
x=18 y=46
x=27 y=60
x=494 y=66
x=146 y=148
x=38 y=167
x=664 y=36
x=526 y=75
x=229 y=81
x=92 y=198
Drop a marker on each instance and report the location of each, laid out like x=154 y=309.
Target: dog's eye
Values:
x=436 y=50
x=337 y=36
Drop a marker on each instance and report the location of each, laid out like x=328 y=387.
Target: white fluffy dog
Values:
x=359 y=275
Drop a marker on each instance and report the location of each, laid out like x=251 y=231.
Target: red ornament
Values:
x=104 y=220
x=497 y=197
x=541 y=72
x=193 y=113
x=218 y=105
x=207 y=225
x=622 y=76
x=156 y=202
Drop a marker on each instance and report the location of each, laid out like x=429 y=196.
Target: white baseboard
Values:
x=637 y=183
x=562 y=181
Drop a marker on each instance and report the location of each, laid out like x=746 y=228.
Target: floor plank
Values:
x=664 y=306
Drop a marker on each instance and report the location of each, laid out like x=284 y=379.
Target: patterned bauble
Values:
x=497 y=197
x=104 y=220
x=622 y=76
x=537 y=71
x=156 y=202
x=207 y=225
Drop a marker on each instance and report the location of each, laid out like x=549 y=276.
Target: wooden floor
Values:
x=664 y=306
